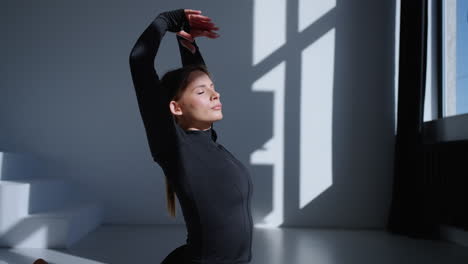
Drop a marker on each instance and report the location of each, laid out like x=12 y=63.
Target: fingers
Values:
x=194 y=33
x=199 y=17
x=206 y=33
x=210 y=34
x=200 y=26
x=192 y=11
x=194 y=17
x=205 y=26
x=196 y=21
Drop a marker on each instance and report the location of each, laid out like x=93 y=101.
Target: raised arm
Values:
x=152 y=100
x=187 y=56
x=189 y=51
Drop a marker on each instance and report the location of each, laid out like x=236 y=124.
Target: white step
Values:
x=38 y=195
x=46 y=194
x=26 y=193
x=56 y=229
x=14 y=203
x=15 y=165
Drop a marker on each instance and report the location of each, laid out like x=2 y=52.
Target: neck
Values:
x=194 y=128
x=200 y=126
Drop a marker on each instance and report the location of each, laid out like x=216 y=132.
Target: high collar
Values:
x=210 y=133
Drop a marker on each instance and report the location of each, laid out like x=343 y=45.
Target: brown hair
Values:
x=175 y=83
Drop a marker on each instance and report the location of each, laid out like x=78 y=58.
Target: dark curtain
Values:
x=411 y=211
x=445 y=168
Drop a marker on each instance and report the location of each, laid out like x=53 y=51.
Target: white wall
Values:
x=66 y=95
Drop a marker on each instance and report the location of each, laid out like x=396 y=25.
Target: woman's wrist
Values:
x=175 y=20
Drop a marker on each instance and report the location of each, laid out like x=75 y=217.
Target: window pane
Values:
x=462 y=56
x=455 y=57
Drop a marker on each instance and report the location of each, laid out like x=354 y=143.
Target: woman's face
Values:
x=199 y=105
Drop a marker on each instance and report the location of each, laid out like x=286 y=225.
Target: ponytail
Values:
x=170 y=197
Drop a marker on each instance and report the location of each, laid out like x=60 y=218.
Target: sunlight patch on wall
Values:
x=316 y=132
x=317 y=68
x=269 y=32
x=1 y=165
x=272 y=153
x=310 y=11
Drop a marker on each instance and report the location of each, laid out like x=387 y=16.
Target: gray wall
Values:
x=67 y=95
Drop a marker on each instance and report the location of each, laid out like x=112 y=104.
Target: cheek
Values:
x=199 y=103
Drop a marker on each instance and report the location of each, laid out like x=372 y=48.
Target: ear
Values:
x=175 y=108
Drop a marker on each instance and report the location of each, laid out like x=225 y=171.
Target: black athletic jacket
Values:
x=213 y=187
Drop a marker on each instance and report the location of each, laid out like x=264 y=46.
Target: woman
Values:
x=213 y=188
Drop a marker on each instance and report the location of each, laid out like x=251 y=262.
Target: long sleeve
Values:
x=152 y=100
x=187 y=57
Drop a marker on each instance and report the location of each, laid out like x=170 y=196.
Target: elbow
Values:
x=140 y=56
x=133 y=57
x=136 y=54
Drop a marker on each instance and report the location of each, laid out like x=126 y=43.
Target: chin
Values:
x=218 y=116
x=217 y=119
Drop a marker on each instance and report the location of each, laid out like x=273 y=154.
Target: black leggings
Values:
x=177 y=256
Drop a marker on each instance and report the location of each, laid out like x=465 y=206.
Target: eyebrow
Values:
x=202 y=85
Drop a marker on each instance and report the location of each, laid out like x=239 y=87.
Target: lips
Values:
x=217 y=107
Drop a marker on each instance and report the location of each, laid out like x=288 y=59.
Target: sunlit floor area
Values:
x=151 y=243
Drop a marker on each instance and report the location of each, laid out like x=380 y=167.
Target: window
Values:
x=446 y=96
x=454 y=57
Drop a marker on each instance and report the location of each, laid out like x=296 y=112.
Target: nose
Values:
x=215 y=95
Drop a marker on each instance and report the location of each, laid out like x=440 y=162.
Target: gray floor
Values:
x=150 y=244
